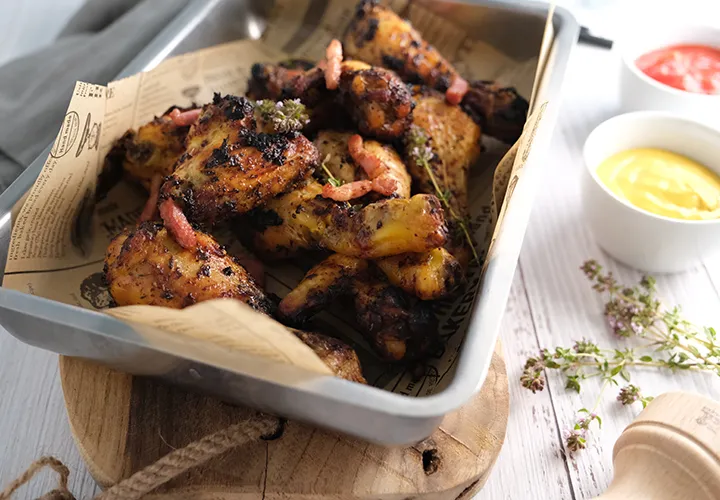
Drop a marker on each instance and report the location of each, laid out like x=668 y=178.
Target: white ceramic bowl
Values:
x=640 y=239
x=640 y=92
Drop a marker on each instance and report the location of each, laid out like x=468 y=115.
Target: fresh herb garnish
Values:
x=282 y=117
x=667 y=341
x=331 y=179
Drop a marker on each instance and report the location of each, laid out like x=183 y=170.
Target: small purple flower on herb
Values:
x=623 y=318
x=533 y=380
x=591 y=269
x=282 y=117
x=629 y=394
x=575 y=440
x=422 y=155
x=532 y=377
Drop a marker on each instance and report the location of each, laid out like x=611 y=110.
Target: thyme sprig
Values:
x=282 y=117
x=666 y=342
x=422 y=154
x=331 y=179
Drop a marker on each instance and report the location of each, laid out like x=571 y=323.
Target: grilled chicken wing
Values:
x=149 y=152
x=144 y=265
x=378 y=36
x=299 y=80
x=337 y=355
x=302 y=219
x=500 y=111
x=455 y=143
x=430 y=275
x=229 y=168
x=328 y=280
x=376 y=99
x=442 y=143
x=398 y=328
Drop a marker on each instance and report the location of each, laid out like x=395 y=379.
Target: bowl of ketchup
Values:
x=688 y=67
x=672 y=68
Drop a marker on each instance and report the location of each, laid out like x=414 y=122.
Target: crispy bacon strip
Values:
x=348 y=191
x=457 y=90
x=184 y=118
x=150 y=209
x=385 y=185
x=334 y=57
x=370 y=163
x=376 y=170
x=177 y=224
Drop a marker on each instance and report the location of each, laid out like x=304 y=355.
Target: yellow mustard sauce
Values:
x=663 y=183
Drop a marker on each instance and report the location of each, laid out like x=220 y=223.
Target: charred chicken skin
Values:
x=149 y=153
x=145 y=265
x=500 y=111
x=430 y=275
x=380 y=37
x=398 y=327
x=303 y=219
x=322 y=285
x=299 y=80
x=337 y=355
x=229 y=168
x=376 y=99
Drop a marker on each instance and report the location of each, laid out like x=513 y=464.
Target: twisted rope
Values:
x=168 y=467
x=60 y=493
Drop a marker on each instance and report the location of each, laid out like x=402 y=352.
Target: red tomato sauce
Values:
x=693 y=68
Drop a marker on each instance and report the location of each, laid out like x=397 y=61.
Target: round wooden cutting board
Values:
x=123 y=423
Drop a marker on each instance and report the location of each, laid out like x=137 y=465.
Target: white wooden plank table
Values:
x=550 y=304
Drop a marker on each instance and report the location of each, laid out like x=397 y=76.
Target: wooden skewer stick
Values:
x=670 y=452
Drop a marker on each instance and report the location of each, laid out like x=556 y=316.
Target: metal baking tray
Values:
x=367 y=412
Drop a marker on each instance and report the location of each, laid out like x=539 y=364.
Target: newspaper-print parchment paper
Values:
x=48 y=257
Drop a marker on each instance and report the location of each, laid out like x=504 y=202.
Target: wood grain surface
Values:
x=670 y=452
x=122 y=424
x=550 y=304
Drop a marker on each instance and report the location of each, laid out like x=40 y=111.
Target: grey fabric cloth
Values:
x=101 y=39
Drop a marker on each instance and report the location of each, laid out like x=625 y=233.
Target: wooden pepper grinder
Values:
x=670 y=452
